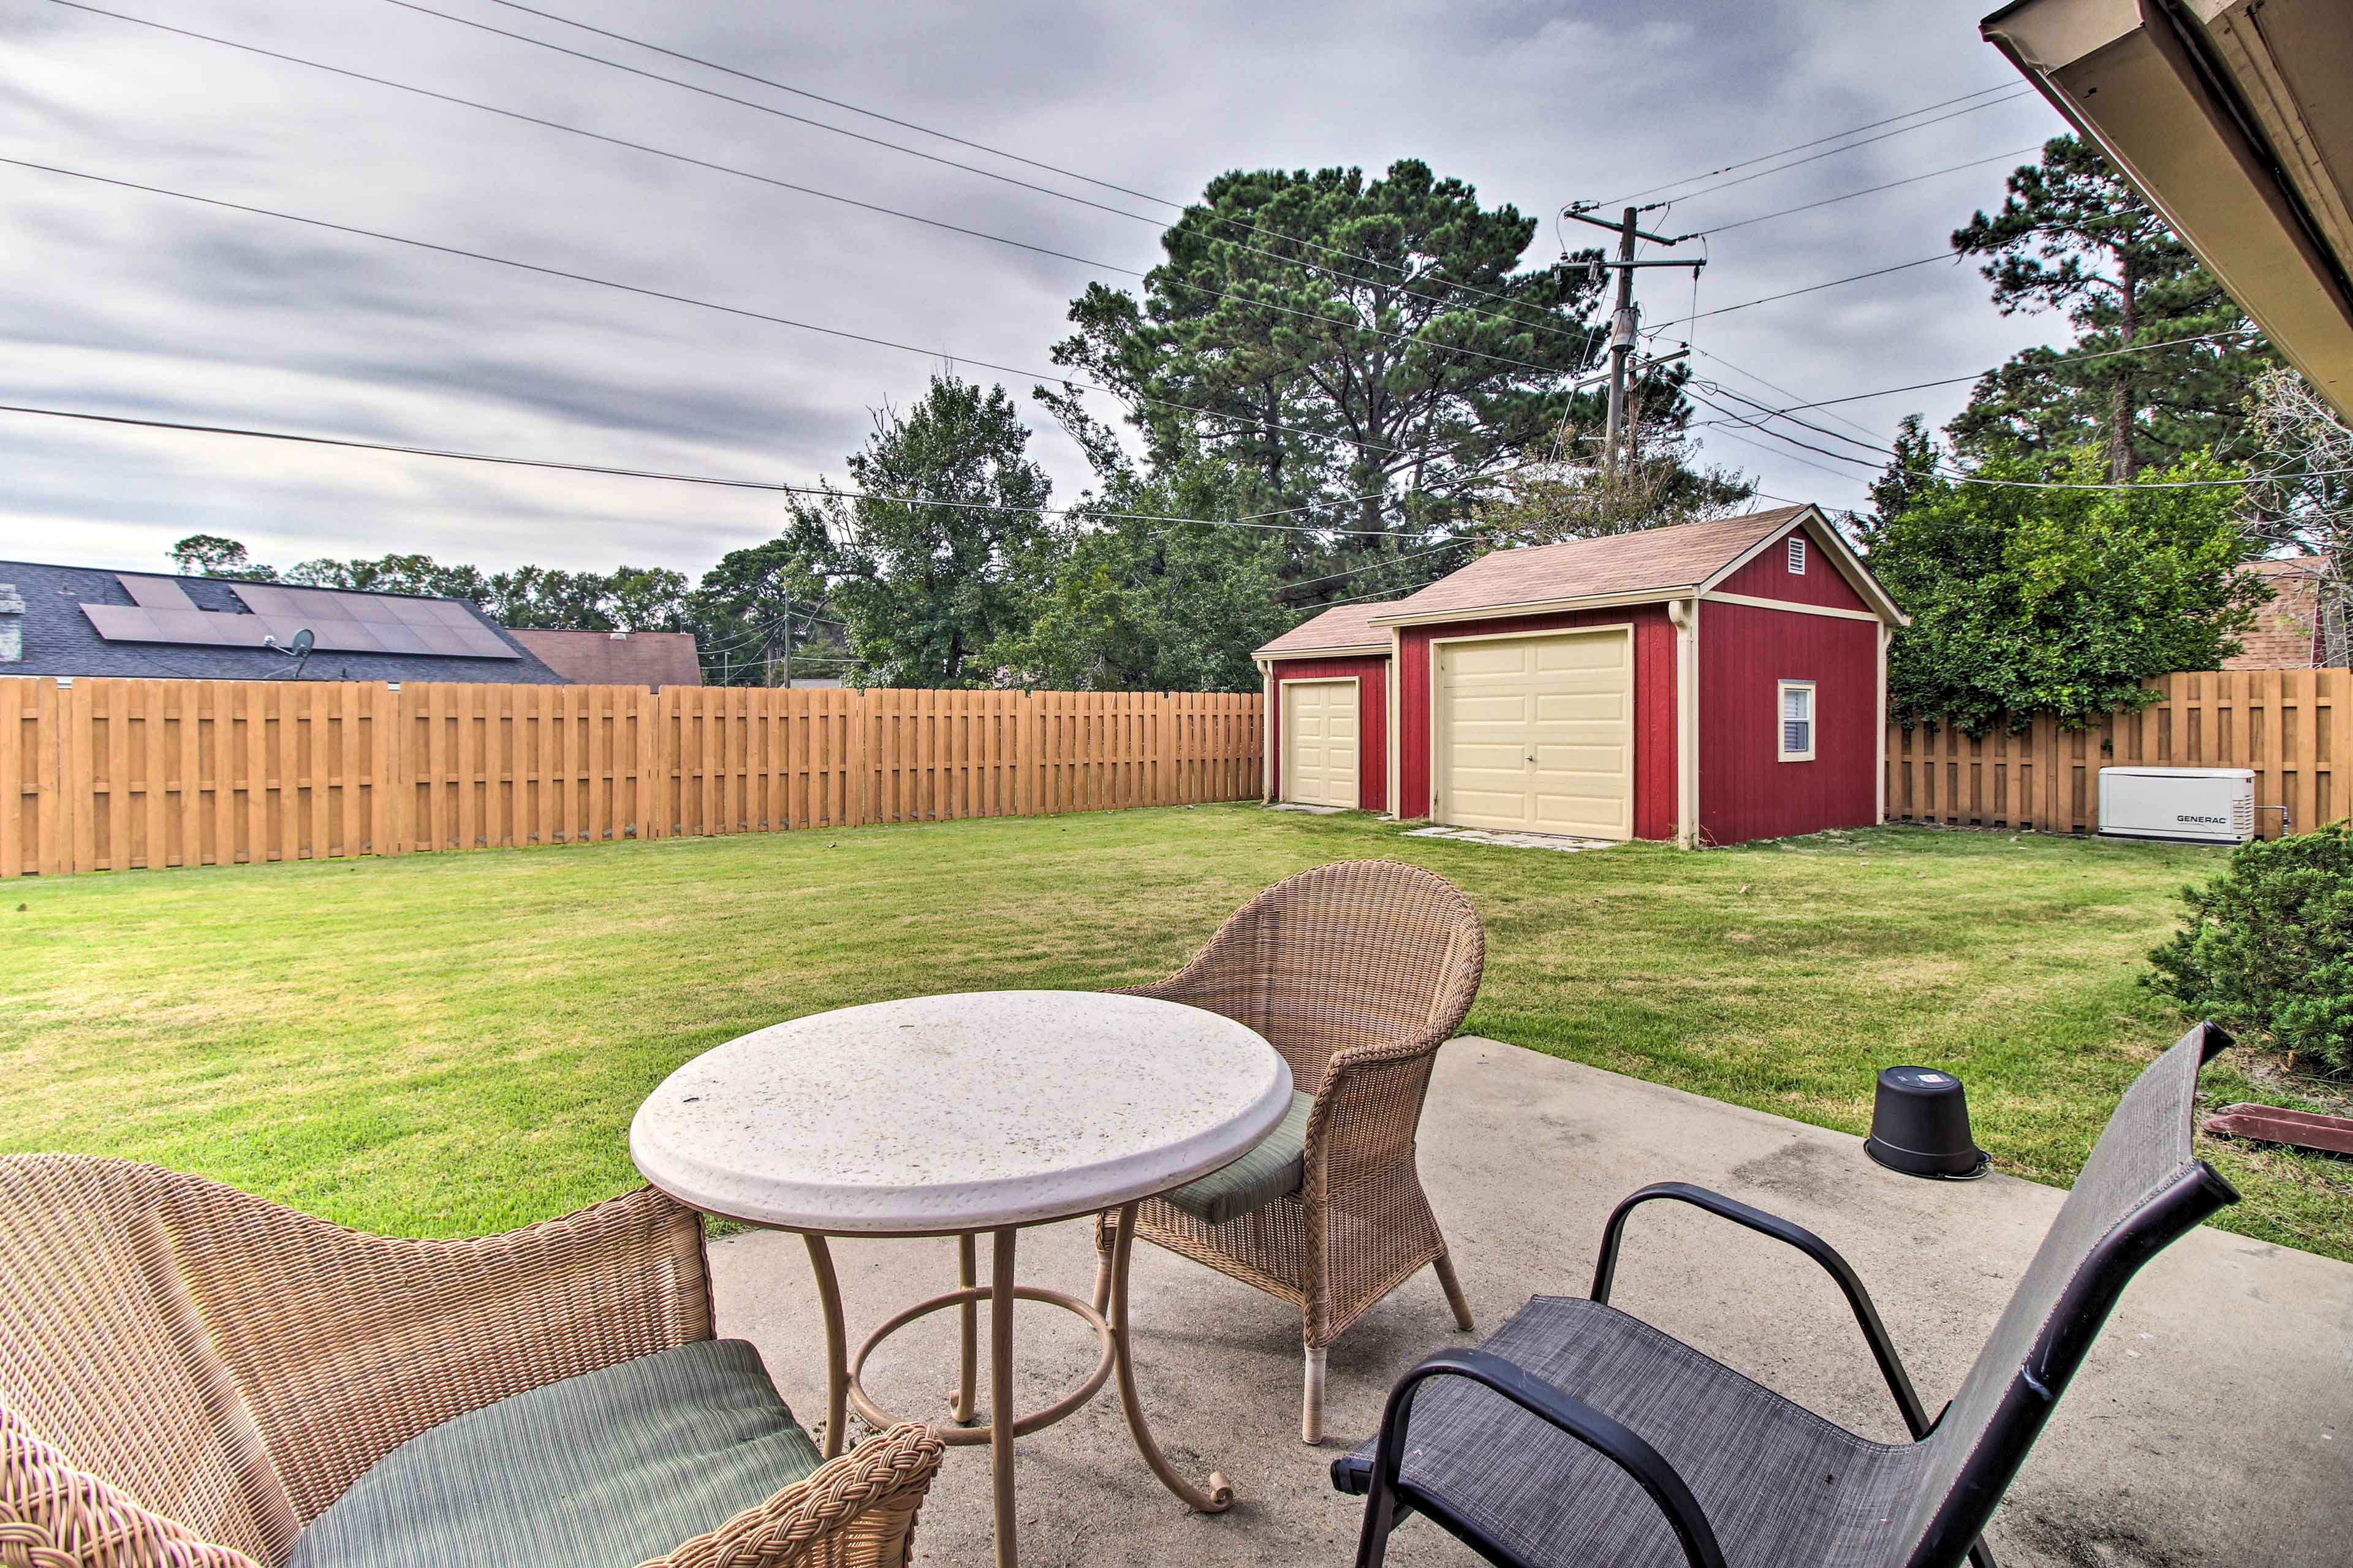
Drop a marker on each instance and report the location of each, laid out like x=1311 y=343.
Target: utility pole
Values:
x=1626 y=318
x=1622 y=324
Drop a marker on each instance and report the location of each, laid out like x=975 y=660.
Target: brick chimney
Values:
x=11 y=624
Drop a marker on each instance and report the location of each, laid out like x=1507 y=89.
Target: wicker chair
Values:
x=189 y=1376
x=1357 y=972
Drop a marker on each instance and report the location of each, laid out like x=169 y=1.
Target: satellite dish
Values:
x=302 y=641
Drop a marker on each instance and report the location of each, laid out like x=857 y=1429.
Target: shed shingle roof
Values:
x=607 y=658
x=1337 y=629
x=1664 y=561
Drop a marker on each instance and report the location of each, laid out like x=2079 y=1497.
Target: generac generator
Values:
x=2195 y=806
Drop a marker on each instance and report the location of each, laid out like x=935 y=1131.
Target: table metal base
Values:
x=844 y=1391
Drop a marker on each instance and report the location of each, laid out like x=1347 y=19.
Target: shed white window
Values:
x=1796 y=556
x=1796 y=721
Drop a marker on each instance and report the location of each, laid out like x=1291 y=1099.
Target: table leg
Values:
x=1219 y=1496
x=1000 y=1390
x=967 y=1275
x=836 y=1351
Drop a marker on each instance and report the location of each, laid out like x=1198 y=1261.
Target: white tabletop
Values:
x=959 y=1113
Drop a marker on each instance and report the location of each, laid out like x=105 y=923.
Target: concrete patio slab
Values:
x=2213 y=1423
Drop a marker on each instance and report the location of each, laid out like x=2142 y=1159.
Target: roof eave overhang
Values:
x=1540 y=607
x=1352 y=651
x=2156 y=89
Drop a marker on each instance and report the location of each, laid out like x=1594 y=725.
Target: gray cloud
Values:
x=115 y=300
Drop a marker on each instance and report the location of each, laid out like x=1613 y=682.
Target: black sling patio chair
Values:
x=1578 y=1435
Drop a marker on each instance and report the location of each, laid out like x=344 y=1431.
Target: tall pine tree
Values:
x=2075 y=237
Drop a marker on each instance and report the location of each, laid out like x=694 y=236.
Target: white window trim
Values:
x=1795 y=553
x=1780 y=724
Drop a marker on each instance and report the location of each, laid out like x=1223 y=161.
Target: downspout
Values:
x=1266 y=732
x=1685 y=614
x=1887 y=636
x=1395 y=738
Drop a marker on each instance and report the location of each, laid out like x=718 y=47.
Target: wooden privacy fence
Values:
x=110 y=775
x=2288 y=725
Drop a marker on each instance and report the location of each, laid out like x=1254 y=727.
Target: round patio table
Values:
x=984 y=1111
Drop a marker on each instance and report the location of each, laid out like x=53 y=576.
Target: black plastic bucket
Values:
x=1920 y=1126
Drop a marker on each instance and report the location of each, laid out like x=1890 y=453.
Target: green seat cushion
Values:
x=1272 y=1169
x=603 y=1470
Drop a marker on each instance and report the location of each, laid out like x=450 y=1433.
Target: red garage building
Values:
x=1327 y=706
x=1709 y=682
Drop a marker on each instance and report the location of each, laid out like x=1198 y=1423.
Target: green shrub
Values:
x=2268 y=948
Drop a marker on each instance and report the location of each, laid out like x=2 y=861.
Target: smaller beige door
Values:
x=1319 y=743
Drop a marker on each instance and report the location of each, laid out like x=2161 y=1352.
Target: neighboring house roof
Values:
x=1652 y=563
x=88 y=621
x=615 y=659
x=2230 y=116
x=1344 y=628
x=2286 y=633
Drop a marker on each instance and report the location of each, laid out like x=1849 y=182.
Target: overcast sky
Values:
x=125 y=302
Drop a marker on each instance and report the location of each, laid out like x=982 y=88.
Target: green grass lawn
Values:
x=451 y=1044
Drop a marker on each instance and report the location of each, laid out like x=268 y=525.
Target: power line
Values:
x=1353 y=599
x=934 y=158
x=1788 y=457
x=1373 y=566
x=836 y=103
x=1869 y=190
x=1809 y=288
x=2055 y=361
x=1877 y=447
x=1834 y=152
x=1761 y=157
x=1775 y=386
x=1955 y=476
x=1791 y=440
x=743 y=311
x=774 y=486
x=787 y=184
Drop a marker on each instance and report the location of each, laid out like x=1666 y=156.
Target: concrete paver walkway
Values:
x=2213 y=1423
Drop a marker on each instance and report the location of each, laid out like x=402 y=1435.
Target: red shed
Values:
x=1707 y=682
x=1327 y=708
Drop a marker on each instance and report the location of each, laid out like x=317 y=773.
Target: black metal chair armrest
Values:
x=1874 y=1332
x=1623 y=1448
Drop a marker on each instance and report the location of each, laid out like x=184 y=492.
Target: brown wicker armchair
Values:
x=1357 y=972
x=189 y=1375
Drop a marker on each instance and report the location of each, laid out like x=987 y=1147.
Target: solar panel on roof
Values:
x=154 y=593
x=399 y=638
x=127 y=623
x=348 y=621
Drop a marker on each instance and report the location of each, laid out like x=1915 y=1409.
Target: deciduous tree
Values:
x=2029 y=600
x=921 y=566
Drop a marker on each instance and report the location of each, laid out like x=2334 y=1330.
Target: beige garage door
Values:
x=1537 y=735
x=1319 y=742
